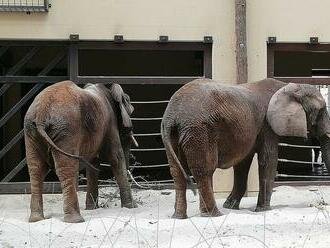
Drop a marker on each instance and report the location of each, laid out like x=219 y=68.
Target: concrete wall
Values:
x=290 y=21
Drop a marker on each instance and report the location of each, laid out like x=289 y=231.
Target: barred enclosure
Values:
x=24 y=5
x=27 y=67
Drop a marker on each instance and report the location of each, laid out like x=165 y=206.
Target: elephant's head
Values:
x=125 y=109
x=297 y=109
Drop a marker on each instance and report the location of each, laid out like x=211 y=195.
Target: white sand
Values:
x=298 y=219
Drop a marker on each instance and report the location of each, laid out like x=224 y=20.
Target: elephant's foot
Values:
x=213 y=213
x=177 y=215
x=36 y=216
x=126 y=199
x=73 y=218
x=91 y=206
x=262 y=208
x=130 y=204
x=231 y=203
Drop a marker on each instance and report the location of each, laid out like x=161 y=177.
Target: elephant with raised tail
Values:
x=209 y=125
x=66 y=126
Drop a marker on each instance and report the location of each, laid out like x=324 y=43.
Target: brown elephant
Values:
x=209 y=125
x=66 y=125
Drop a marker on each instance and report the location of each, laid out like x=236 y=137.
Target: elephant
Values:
x=209 y=125
x=67 y=126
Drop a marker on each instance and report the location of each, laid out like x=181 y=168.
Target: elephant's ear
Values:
x=285 y=114
x=125 y=106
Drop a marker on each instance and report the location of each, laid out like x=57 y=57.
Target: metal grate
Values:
x=24 y=6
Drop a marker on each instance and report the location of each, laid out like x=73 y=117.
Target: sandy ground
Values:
x=300 y=218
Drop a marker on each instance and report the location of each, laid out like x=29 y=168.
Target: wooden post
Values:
x=241 y=48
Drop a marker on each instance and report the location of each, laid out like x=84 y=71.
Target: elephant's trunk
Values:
x=325 y=149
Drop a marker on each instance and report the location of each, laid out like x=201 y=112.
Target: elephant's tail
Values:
x=169 y=149
x=43 y=133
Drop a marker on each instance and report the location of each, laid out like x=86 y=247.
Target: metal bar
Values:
x=14 y=171
x=147 y=149
x=32 y=79
x=301 y=183
x=207 y=62
x=149 y=166
x=4 y=88
x=12 y=143
x=270 y=60
x=299 y=146
x=140 y=166
x=145 y=45
x=155 y=186
x=305 y=80
x=146 y=134
x=135 y=80
x=297 y=161
x=73 y=63
x=12 y=71
x=52 y=64
x=300 y=46
x=150 y=102
x=147 y=119
x=25 y=188
x=302 y=176
x=21 y=102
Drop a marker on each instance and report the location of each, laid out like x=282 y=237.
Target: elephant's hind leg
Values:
x=201 y=157
x=180 y=185
x=66 y=170
x=37 y=169
x=241 y=171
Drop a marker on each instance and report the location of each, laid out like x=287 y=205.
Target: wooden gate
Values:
x=26 y=67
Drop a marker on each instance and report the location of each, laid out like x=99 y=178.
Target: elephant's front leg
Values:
x=66 y=170
x=120 y=172
x=267 y=160
x=92 y=186
x=241 y=172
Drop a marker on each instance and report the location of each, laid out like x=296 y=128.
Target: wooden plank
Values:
x=11 y=143
x=241 y=45
x=12 y=71
x=144 y=45
x=135 y=80
x=53 y=63
x=3 y=50
x=14 y=171
x=21 y=102
x=32 y=79
x=4 y=88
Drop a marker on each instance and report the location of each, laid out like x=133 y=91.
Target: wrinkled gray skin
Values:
x=209 y=125
x=66 y=125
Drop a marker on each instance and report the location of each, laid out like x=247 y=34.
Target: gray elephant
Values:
x=209 y=125
x=66 y=125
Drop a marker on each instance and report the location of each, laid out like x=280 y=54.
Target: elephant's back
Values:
x=227 y=112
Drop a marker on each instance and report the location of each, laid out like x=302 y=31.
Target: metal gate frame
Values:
x=294 y=46
x=72 y=47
